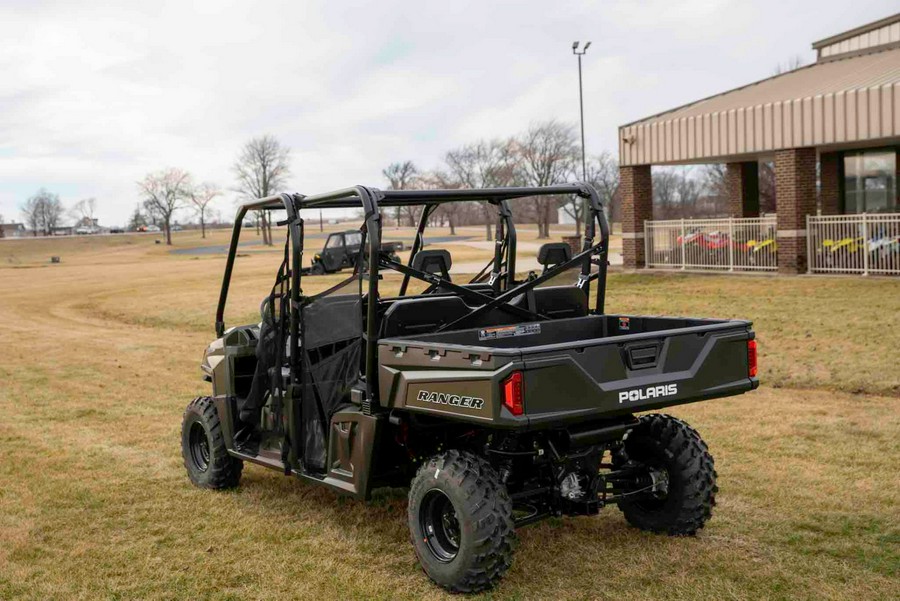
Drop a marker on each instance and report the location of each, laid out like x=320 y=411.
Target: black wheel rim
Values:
x=198 y=443
x=440 y=525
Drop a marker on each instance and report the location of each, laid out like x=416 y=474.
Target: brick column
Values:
x=795 y=198
x=742 y=187
x=830 y=187
x=636 y=187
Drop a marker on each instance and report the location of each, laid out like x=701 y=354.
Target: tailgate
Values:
x=630 y=373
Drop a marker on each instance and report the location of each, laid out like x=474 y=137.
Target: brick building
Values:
x=832 y=130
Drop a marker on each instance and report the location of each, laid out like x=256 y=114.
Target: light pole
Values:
x=579 y=54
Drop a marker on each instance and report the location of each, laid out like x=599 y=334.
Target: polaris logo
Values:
x=651 y=392
x=454 y=400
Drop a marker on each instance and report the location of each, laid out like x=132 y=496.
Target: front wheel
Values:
x=206 y=459
x=682 y=477
x=460 y=522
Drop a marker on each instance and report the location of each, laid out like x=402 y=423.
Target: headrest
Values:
x=554 y=253
x=432 y=261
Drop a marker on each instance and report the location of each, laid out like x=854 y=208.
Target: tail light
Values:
x=513 y=393
x=751 y=358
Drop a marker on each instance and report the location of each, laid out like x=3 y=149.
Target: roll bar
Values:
x=371 y=199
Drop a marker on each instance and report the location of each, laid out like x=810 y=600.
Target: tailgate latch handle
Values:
x=642 y=356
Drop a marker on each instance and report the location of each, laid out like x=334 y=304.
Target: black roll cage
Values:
x=372 y=200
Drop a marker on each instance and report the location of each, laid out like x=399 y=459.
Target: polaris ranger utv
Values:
x=499 y=401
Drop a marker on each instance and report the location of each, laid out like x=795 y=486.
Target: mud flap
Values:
x=353 y=437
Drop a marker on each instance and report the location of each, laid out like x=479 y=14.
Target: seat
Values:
x=421 y=315
x=552 y=254
x=424 y=315
x=435 y=261
x=560 y=302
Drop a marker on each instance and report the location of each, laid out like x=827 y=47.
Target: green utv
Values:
x=499 y=401
x=341 y=250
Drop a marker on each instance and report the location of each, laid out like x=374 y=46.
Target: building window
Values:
x=870 y=181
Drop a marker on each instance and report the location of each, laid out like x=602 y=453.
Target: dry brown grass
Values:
x=836 y=333
x=100 y=355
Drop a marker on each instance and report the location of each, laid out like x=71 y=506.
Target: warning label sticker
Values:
x=525 y=329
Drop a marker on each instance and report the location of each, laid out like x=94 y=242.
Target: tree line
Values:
x=44 y=211
x=701 y=191
x=261 y=169
x=544 y=154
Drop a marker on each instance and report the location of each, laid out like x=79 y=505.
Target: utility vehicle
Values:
x=498 y=401
x=342 y=250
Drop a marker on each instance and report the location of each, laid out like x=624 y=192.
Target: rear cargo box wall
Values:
x=541 y=333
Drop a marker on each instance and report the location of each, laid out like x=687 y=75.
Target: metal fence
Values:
x=712 y=244
x=866 y=243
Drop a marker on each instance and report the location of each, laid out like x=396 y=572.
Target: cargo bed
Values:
x=573 y=369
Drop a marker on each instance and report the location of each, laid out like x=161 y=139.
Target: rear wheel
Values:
x=460 y=522
x=206 y=460
x=679 y=492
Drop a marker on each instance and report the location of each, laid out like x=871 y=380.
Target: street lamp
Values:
x=579 y=54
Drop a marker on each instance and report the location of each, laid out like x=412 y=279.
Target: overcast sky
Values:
x=95 y=95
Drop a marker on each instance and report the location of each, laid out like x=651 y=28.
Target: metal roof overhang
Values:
x=841 y=102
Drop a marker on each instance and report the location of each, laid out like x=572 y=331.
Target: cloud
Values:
x=94 y=95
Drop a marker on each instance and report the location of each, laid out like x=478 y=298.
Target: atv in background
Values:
x=342 y=251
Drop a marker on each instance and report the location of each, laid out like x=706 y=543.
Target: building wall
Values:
x=834 y=118
x=795 y=184
x=742 y=189
x=830 y=201
x=888 y=34
x=636 y=188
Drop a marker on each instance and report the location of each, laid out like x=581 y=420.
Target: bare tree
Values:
x=163 y=193
x=714 y=179
x=261 y=169
x=688 y=190
x=84 y=211
x=767 y=200
x=451 y=211
x=42 y=212
x=137 y=219
x=548 y=151
x=603 y=173
x=201 y=198
x=791 y=64
x=682 y=192
x=484 y=164
x=665 y=193
x=402 y=176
